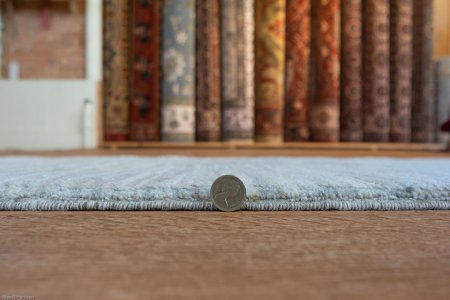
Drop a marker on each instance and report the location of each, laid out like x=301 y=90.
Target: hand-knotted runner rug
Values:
x=183 y=183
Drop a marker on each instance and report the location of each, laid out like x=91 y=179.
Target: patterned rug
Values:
x=183 y=183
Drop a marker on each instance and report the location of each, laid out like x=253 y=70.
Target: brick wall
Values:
x=52 y=49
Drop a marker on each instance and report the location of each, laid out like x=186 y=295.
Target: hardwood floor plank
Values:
x=212 y=255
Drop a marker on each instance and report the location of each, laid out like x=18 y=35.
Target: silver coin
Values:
x=228 y=193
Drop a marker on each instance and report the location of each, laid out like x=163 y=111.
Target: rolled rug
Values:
x=270 y=17
x=178 y=83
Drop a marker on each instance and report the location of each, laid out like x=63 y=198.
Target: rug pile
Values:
x=183 y=183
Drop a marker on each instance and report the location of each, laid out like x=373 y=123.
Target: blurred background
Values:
x=88 y=73
x=51 y=74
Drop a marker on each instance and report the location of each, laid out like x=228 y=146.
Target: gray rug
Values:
x=272 y=183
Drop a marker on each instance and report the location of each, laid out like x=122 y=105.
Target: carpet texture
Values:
x=272 y=183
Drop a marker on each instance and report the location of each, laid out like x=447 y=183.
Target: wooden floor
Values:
x=212 y=255
x=211 y=152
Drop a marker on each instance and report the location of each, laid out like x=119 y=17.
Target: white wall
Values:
x=94 y=38
x=48 y=114
x=1 y=38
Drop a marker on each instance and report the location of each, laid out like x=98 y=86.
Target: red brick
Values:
x=54 y=52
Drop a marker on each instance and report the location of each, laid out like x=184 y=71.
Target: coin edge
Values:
x=212 y=198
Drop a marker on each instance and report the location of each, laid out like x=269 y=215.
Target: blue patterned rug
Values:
x=183 y=183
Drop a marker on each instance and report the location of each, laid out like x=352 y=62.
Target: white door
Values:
x=48 y=114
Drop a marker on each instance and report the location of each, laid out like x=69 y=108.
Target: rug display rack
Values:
x=287 y=145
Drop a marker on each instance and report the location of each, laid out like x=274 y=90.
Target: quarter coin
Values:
x=228 y=193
